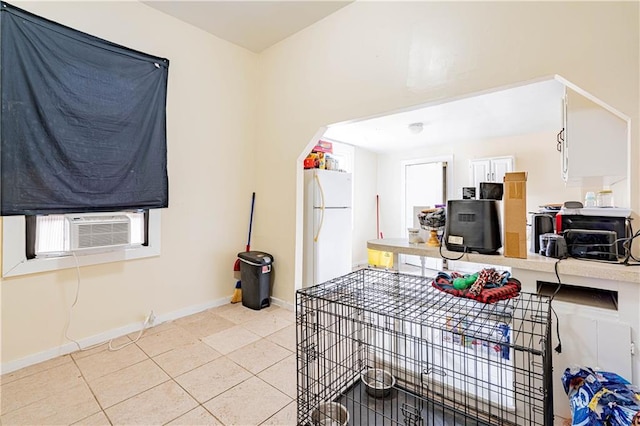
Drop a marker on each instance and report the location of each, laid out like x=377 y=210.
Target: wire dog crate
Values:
x=383 y=348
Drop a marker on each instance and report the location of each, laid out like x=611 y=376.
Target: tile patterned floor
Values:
x=224 y=366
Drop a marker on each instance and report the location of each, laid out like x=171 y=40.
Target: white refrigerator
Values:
x=327 y=225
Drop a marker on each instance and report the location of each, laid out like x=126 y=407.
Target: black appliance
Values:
x=473 y=225
x=491 y=191
x=592 y=244
x=541 y=223
x=595 y=223
x=553 y=245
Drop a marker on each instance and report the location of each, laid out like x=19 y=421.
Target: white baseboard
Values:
x=190 y=310
x=282 y=304
x=360 y=264
x=70 y=347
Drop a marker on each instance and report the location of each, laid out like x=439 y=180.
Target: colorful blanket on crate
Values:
x=486 y=286
x=601 y=398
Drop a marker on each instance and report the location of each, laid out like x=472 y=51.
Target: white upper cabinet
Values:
x=500 y=166
x=594 y=143
x=489 y=170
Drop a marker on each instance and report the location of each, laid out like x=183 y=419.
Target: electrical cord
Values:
x=124 y=345
x=626 y=244
x=558 y=348
x=628 y=228
x=449 y=258
x=629 y=244
x=146 y=323
x=75 y=301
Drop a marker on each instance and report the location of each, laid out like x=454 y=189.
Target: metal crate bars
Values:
x=455 y=361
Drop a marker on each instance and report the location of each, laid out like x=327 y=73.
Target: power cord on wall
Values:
x=75 y=301
x=148 y=320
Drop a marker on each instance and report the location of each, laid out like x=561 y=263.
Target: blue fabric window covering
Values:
x=83 y=121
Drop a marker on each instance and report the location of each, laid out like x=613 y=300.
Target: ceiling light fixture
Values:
x=416 y=128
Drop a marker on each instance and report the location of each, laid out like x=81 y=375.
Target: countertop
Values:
x=534 y=262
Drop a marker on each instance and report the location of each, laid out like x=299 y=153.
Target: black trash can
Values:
x=255 y=274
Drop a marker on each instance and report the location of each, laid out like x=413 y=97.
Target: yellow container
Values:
x=380 y=259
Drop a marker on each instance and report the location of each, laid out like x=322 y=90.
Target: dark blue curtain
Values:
x=83 y=121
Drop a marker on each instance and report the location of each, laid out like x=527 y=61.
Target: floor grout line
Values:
x=172 y=378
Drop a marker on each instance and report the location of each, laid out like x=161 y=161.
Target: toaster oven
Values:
x=592 y=244
x=583 y=227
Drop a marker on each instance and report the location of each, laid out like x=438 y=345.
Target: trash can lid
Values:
x=259 y=257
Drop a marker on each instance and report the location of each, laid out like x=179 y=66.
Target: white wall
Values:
x=364 y=203
x=211 y=93
x=372 y=57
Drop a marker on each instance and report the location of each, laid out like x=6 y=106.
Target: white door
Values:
x=424 y=186
x=332 y=248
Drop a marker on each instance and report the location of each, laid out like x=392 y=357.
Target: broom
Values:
x=236 y=265
x=237 y=294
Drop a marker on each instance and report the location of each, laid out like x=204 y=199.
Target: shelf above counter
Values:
x=534 y=262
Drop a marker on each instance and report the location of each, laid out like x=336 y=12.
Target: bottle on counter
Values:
x=590 y=199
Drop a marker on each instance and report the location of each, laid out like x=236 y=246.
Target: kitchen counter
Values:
x=534 y=262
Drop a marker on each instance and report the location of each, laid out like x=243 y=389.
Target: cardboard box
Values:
x=515 y=215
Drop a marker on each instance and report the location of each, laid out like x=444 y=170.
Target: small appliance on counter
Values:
x=473 y=225
x=541 y=223
x=592 y=244
x=553 y=245
x=594 y=232
x=491 y=191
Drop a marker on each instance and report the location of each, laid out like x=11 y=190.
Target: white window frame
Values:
x=15 y=262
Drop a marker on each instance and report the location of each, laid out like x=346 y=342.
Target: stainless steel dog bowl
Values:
x=330 y=414
x=378 y=382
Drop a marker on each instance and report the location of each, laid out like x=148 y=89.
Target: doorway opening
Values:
x=424 y=186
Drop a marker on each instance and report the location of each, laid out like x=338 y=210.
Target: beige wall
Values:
x=237 y=123
x=210 y=108
x=374 y=57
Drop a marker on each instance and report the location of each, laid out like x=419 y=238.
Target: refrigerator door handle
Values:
x=315 y=238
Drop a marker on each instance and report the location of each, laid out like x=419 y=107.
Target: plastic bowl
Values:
x=378 y=382
x=330 y=414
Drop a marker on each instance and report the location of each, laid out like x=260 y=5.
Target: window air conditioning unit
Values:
x=99 y=231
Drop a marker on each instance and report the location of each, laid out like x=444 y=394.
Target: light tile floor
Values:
x=225 y=366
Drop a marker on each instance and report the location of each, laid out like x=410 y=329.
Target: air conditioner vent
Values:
x=90 y=232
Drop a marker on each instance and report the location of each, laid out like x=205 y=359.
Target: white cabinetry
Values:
x=591 y=336
x=489 y=170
